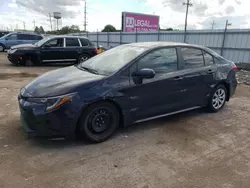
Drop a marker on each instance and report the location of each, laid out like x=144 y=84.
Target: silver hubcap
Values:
x=219 y=98
x=1 y=48
x=83 y=58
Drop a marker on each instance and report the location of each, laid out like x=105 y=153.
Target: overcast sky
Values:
x=101 y=12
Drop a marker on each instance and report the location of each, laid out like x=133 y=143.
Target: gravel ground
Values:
x=194 y=149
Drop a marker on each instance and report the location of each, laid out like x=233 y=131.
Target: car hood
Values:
x=24 y=46
x=61 y=81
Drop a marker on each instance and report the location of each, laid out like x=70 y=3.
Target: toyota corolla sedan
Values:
x=128 y=84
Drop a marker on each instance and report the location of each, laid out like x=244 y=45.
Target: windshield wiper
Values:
x=90 y=70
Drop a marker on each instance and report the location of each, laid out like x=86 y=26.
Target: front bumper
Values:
x=14 y=59
x=36 y=121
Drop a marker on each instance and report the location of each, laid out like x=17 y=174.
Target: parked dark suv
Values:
x=52 y=50
x=127 y=84
x=16 y=38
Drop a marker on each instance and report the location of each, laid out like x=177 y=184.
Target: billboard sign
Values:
x=134 y=22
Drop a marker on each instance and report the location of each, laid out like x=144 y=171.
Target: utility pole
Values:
x=50 y=22
x=188 y=4
x=85 y=16
x=213 y=23
x=16 y=26
x=24 y=26
x=34 y=22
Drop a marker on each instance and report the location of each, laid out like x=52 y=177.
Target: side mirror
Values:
x=145 y=74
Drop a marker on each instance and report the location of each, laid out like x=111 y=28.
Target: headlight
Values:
x=53 y=102
x=12 y=51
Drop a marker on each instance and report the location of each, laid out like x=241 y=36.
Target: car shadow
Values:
x=167 y=122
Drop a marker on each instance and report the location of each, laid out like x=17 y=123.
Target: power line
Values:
x=188 y=4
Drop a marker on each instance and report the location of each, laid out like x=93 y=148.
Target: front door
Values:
x=161 y=94
x=53 y=51
x=12 y=40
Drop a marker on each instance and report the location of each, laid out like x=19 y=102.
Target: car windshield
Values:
x=41 y=42
x=112 y=60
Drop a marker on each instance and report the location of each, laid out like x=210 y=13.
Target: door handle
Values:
x=178 y=78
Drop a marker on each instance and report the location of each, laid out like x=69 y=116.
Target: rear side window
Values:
x=84 y=42
x=209 y=60
x=72 y=42
x=37 y=37
x=193 y=58
x=25 y=37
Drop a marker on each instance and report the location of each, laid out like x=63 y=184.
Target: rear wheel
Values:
x=82 y=58
x=99 y=122
x=218 y=98
x=2 y=48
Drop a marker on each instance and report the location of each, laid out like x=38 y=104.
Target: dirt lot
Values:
x=194 y=149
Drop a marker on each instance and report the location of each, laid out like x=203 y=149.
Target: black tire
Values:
x=81 y=57
x=28 y=63
x=218 y=98
x=98 y=122
x=2 y=48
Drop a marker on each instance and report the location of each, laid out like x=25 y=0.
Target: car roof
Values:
x=26 y=33
x=67 y=36
x=151 y=45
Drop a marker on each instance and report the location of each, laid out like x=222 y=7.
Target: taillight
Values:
x=234 y=67
x=95 y=49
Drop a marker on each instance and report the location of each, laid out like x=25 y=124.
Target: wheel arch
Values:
x=115 y=104
x=227 y=86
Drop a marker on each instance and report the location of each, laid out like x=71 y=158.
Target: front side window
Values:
x=193 y=58
x=209 y=60
x=58 y=42
x=12 y=37
x=161 y=61
x=72 y=42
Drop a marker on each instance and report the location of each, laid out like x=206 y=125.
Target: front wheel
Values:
x=218 y=98
x=99 y=122
x=82 y=58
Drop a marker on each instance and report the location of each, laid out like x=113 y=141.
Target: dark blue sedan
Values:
x=125 y=85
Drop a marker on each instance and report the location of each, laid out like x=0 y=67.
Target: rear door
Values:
x=73 y=48
x=194 y=76
x=25 y=38
x=53 y=51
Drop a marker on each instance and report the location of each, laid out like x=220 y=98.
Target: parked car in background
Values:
x=127 y=84
x=16 y=38
x=53 y=49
